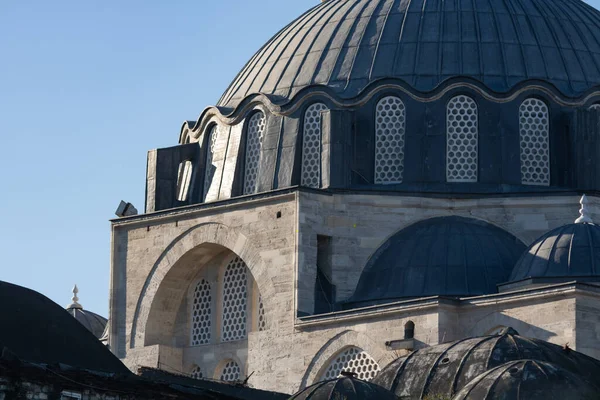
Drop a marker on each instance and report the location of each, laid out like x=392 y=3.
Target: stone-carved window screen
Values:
x=184 y=177
x=197 y=373
x=461 y=140
x=354 y=360
x=235 y=293
x=390 y=125
x=311 y=146
x=210 y=168
x=231 y=372
x=262 y=321
x=201 y=314
x=254 y=138
x=535 y=148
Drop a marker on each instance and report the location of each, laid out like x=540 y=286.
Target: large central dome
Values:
x=348 y=44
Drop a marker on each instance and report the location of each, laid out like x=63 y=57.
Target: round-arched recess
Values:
x=443 y=256
x=166 y=286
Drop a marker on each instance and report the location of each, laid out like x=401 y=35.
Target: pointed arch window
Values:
x=390 y=123
x=202 y=314
x=535 y=143
x=254 y=138
x=231 y=372
x=462 y=145
x=235 y=288
x=311 y=146
x=355 y=360
x=210 y=168
x=196 y=373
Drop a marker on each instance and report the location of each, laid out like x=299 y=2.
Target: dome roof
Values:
x=346 y=387
x=447 y=368
x=451 y=256
x=569 y=251
x=91 y=321
x=528 y=380
x=348 y=44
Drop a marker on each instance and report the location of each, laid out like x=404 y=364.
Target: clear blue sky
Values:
x=87 y=87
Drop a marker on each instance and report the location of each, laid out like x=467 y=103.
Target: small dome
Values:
x=450 y=256
x=447 y=368
x=528 y=380
x=348 y=45
x=347 y=388
x=92 y=321
x=569 y=251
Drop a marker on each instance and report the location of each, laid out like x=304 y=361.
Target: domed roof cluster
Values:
x=504 y=366
x=348 y=44
x=93 y=322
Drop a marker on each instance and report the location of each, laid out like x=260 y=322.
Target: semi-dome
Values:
x=447 y=368
x=346 y=387
x=348 y=44
x=450 y=256
x=528 y=380
x=569 y=251
x=91 y=321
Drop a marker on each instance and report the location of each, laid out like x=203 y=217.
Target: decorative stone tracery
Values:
x=311 y=146
x=390 y=122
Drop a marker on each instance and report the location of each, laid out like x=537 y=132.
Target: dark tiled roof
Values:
x=348 y=44
x=445 y=256
x=36 y=329
x=569 y=251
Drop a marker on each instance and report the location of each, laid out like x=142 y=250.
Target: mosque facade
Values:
x=381 y=177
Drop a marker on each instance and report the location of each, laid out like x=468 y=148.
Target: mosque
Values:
x=383 y=182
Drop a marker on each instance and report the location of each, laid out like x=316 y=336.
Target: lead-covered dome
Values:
x=449 y=256
x=569 y=251
x=93 y=322
x=346 y=387
x=348 y=44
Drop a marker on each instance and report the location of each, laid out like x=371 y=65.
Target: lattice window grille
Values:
x=201 y=313
x=311 y=146
x=231 y=372
x=235 y=291
x=197 y=373
x=461 y=140
x=352 y=360
x=254 y=138
x=389 y=140
x=210 y=168
x=262 y=321
x=184 y=177
x=535 y=147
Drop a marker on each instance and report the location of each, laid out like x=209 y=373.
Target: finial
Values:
x=75 y=299
x=584 y=211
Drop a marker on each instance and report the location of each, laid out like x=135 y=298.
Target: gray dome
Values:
x=349 y=44
x=569 y=251
x=528 y=380
x=447 y=368
x=450 y=256
x=347 y=388
x=92 y=321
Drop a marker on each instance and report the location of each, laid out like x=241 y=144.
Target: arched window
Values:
x=201 y=314
x=197 y=373
x=595 y=106
x=254 y=137
x=354 y=360
x=235 y=288
x=231 y=372
x=210 y=150
x=535 y=146
x=390 y=122
x=409 y=330
x=311 y=146
x=461 y=140
x=184 y=177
